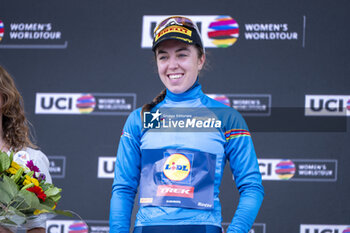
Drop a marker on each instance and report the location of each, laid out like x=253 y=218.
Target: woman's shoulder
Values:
x=34 y=154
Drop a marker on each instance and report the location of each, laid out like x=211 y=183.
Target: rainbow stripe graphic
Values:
x=224 y=31
x=285 y=169
x=78 y=227
x=348 y=105
x=86 y=103
x=2 y=30
x=347 y=230
x=236 y=133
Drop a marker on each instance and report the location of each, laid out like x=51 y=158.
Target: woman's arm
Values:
x=126 y=176
x=240 y=152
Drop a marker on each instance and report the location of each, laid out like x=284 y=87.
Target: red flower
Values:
x=38 y=192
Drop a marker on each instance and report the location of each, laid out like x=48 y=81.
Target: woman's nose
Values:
x=173 y=63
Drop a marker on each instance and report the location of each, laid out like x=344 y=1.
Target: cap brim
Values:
x=172 y=37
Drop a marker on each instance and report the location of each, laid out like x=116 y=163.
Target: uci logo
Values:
x=177 y=167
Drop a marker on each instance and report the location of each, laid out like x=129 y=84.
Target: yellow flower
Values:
x=37 y=212
x=12 y=170
x=27 y=180
x=15 y=165
x=34 y=181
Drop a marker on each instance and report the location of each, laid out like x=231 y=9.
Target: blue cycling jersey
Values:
x=230 y=142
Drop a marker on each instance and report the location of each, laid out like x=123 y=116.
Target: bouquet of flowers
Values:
x=26 y=200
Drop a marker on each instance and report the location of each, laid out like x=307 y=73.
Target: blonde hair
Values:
x=15 y=125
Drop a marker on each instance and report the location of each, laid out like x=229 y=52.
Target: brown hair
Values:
x=15 y=125
x=159 y=98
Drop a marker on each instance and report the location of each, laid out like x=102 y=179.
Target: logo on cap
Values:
x=174 y=29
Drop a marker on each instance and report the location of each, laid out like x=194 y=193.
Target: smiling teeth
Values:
x=175 y=76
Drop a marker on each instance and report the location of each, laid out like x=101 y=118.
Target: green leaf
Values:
x=11 y=157
x=8 y=189
x=55 y=198
x=49 y=203
x=17 y=218
x=64 y=213
x=46 y=186
x=17 y=212
x=45 y=207
x=7 y=222
x=29 y=198
x=4 y=162
x=52 y=191
x=20 y=203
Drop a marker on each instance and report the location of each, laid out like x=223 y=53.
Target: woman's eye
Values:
x=162 y=57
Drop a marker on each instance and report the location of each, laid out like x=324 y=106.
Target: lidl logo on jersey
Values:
x=88 y=103
x=177 y=167
x=320 y=228
x=298 y=169
x=179 y=119
x=327 y=105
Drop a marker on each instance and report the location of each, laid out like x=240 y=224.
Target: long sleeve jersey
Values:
x=231 y=142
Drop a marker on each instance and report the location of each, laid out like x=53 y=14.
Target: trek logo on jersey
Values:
x=175 y=191
x=312 y=228
x=327 y=105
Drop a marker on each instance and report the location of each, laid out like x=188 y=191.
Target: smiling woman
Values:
x=178 y=167
x=178 y=65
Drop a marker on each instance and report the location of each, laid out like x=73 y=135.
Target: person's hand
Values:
x=5 y=230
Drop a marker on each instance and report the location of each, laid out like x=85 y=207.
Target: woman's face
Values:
x=178 y=65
